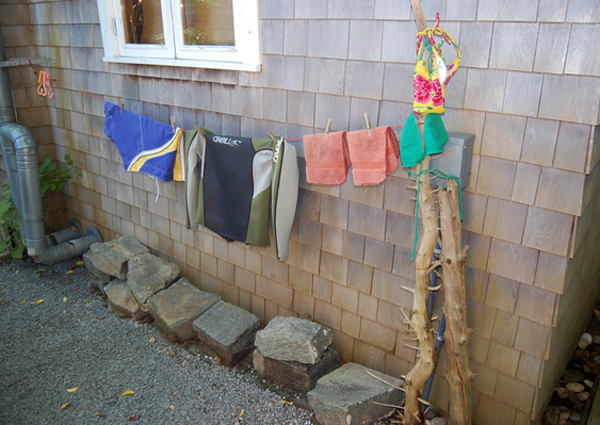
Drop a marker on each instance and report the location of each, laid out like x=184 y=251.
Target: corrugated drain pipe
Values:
x=19 y=151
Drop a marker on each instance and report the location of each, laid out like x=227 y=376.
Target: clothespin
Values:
x=122 y=104
x=272 y=136
x=199 y=130
x=173 y=122
x=329 y=122
x=368 y=123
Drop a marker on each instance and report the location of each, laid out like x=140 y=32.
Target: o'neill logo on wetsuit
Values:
x=227 y=141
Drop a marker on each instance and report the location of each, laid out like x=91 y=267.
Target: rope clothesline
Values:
x=68 y=85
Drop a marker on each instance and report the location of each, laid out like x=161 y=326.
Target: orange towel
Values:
x=326 y=158
x=373 y=157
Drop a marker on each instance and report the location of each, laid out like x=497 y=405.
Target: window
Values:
x=220 y=34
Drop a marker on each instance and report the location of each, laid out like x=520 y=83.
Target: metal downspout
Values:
x=19 y=151
x=37 y=244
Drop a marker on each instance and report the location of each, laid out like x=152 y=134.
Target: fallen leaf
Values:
x=152 y=340
x=4 y=302
x=69 y=272
x=100 y=318
x=72 y=390
x=18 y=271
x=2 y=293
x=86 y=301
x=37 y=302
x=65 y=299
x=134 y=417
x=73 y=289
x=64 y=405
x=242 y=413
x=289 y=403
x=219 y=359
x=41 y=274
x=113 y=245
x=23 y=302
x=79 y=409
x=79 y=263
x=234 y=409
x=41 y=270
x=68 y=282
x=129 y=392
x=172 y=407
x=101 y=415
x=175 y=393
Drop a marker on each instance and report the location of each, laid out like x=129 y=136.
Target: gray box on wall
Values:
x=457 y=162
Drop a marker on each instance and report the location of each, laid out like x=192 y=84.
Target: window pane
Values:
x=143 y=22
x=207 y=22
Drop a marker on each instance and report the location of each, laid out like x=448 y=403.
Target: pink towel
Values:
x=326 y=158
x=373 y=157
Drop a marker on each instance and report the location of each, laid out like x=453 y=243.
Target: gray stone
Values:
x=227 y=331
x=345 y=396
x=175 y=308
x=109 y=261
x=112 y=257
x=573 y=375
x=122 y=302
x=293 y=339
x=295 y=376
x=95 y=271
x=97 y=287
x=149 y=274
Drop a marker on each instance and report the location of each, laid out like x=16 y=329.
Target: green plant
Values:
x=53 y=179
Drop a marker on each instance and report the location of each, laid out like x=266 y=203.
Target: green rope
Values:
x=437 y=173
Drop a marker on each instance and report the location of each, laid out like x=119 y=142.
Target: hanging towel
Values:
x=146 y=146
x=411 y=143
x=373 y=156
x=326 y=158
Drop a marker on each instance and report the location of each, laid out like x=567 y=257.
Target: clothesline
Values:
x=68 y=84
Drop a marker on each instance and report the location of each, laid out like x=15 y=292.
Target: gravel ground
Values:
x=70 y=340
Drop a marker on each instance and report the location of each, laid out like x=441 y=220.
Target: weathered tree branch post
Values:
x=456 y=336
x=419 y=321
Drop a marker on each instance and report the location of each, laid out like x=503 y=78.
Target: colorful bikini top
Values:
x=431 y=74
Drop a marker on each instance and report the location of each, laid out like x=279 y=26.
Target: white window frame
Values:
x=244 y=56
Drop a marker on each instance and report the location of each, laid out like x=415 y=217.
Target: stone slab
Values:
x=345 y=396
x=175 y=308
x=97 y=287
x=112 y=257
x=109 y=261
x=295 y=376
x=293 y=339
x=95 y=271
x=122 y=302
x=227 y=331
x=149 y=274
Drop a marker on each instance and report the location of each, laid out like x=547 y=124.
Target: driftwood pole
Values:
x=456 y=336
x=419 y=321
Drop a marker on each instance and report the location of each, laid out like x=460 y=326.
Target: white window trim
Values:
x=244 y=56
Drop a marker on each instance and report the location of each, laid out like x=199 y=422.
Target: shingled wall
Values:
x=528 y=88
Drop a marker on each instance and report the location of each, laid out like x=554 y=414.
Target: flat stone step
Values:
x=296 y=376
x=227 y=331
x=149 y=274
x=293 y=339
x=112 y=257
x=345 y=396
x=175 y=308
x=122 y=302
